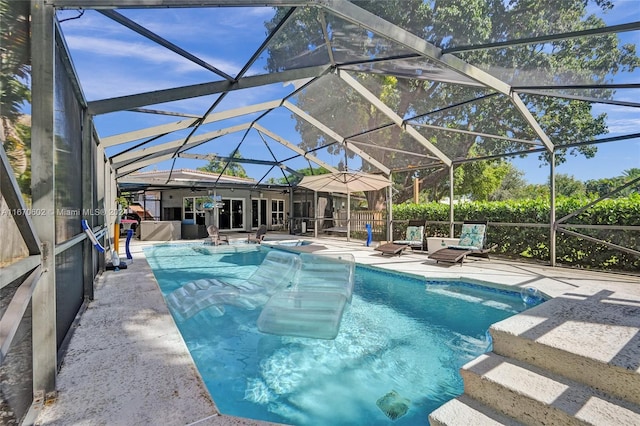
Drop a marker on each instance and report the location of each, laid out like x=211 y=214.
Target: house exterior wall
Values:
x=276 y=215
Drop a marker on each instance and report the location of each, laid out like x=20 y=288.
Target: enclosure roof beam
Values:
x=580 y=98
x=161 y=112
x=354 y=14
x=211 y=157
x=294 y=147
x=632 y=26
x=126 y=158
x=323 y=128
x=395 y=150
x=183 y=124
x=122 y=103
x=393 y=116
x=168 y=154
x=138 y=4
x=366 y=157
x=524 y=111
x=470 y=132
x=140 y=164
x=123 y=20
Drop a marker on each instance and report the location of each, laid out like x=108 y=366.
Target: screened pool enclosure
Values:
x=404 y=89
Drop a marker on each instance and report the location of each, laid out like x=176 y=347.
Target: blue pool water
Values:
x=400 y=334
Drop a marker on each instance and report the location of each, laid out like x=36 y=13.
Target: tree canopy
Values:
x=293 y=180
x=228 y=168
x=453 y=23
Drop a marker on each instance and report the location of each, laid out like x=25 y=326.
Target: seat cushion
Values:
x=472 y=235
x=415 y=233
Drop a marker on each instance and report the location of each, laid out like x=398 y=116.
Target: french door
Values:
x=258 y=212
x=230 y=215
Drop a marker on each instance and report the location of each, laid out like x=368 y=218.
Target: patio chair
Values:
x=260 y=234
x=414 y=239
x=215 y=237
x=472 y=243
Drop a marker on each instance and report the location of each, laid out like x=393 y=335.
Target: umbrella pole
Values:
x=315 y=214
x=348 y=215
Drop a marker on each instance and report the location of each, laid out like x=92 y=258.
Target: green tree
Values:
x=447 y=23
x=293 y=179
x=601 y=187
x=512 y=187
x=569 y=186
x=480 y=179
x=228 y=168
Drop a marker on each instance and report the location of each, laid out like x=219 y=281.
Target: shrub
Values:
x=532 y=241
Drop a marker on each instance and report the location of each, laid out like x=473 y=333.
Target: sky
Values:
x=111 y=60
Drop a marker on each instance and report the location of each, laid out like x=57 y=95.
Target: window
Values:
x=277 y=213
x=193 y=211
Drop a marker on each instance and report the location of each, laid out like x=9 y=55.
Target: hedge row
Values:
x=533 y=242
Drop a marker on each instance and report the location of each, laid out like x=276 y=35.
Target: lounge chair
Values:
x=333 y=272
x=472 y=243
x=414 y=239
x=215 y=237
x=260 y=234
x=391 y=248
x=314 y=305
x=277 y=271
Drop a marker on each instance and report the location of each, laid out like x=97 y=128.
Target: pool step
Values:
x=572 y=360
x=589 y=338
x=531 y=395
x=467 y=411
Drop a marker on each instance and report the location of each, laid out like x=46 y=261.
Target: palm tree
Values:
x=15 y=73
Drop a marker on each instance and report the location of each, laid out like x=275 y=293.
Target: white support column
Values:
x=88 y=189
x=390 y=210
x=451 y=180
x=43 y=195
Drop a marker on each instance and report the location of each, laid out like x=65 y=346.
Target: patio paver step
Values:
x=467 y=411
x=588 y=337
x=532 y=395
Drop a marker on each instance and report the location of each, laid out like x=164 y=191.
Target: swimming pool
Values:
x=402 y=338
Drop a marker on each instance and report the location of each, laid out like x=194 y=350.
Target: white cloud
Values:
x=143 y=52
x=624 y=125
x=223 y=24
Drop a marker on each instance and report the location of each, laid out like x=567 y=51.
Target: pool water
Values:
x=401 y=337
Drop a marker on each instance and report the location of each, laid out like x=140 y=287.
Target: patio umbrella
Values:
x=345 y=183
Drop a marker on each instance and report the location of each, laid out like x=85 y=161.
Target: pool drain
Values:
x=393 y=405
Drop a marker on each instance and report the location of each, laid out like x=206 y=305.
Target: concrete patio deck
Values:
x=127 y=364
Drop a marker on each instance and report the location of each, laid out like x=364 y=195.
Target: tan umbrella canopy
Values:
x=345 y=183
